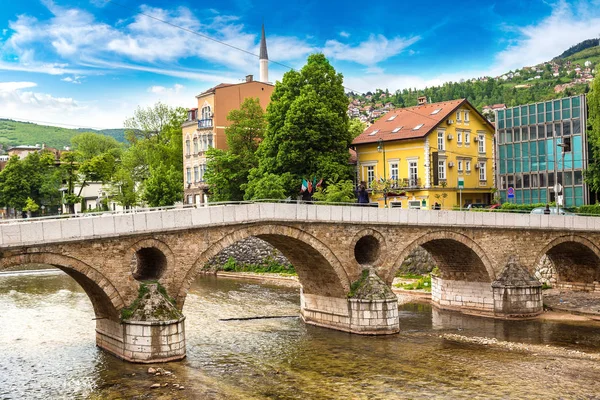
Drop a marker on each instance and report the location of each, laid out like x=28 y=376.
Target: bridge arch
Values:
x=319 y=270
x=149 y=259
x=105 y=298
x=457 y=256
x=575 y=258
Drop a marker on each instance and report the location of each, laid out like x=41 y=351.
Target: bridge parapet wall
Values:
x=44 y=231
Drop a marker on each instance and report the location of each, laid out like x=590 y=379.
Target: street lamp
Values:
x=564 y=146
x=381 y=149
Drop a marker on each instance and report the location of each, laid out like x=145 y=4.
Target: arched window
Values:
x=206 y=113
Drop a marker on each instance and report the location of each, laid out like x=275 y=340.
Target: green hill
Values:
x=14 y=133
x=590 y=54
x=579 y=47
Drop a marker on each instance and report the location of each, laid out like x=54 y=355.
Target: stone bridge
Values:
x=485 y=261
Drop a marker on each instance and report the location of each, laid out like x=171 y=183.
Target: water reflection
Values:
x=48 y=351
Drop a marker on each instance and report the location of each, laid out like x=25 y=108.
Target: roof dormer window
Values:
x=374 y=132
x=397 y=129
x=416 y=128
x=437 y=110
x=392 y=117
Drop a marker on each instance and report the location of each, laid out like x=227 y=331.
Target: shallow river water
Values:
x=47 y=351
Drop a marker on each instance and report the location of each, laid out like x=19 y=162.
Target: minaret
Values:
x=264 y=58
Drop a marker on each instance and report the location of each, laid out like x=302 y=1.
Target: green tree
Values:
x=227 y=170
x=163 y=187
x=336 y=191
x=154 y=134
x=592 y=174
x=14 y=184
x=308 y=129
x=31 y=206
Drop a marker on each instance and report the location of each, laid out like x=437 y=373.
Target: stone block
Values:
x=337 y=213
x=139 y=222
x=168 y=219
x=346 y=213
x=103 y=226
x=31 y=232
x=241 y=213
x=124 y=223
x=183 y=218
x=356 y=214
x=253 y=211
x=52 y=230
x=413 y=217
x=324 y=213
x=216 y=214
x=383 y=215
x=86 y=227
x=371 y=213
x=580 y=222
x=424 y=217
x=154 y=221
x=488 y=219
x=267 y=211
x=201 y=216
x=228 y=213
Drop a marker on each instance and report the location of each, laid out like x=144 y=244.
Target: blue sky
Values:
x=90 y=63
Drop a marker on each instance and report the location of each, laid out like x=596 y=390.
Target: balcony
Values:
x=205 y=123
x=411 y=183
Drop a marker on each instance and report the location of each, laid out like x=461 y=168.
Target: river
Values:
x=47 y=348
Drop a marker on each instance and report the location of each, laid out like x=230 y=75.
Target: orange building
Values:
x=205 y=126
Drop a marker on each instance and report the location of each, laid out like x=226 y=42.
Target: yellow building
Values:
x=433 y=153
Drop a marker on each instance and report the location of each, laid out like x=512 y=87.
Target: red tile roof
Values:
x=408 y=118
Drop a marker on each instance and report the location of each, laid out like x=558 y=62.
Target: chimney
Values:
x=249 y=78
x=422 y=100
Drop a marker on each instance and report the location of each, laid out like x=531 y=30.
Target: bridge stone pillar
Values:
x=516 y=293
x=370 y=309
x=464 y=296
x=151 y=331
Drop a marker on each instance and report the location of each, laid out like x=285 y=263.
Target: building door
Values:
x=412 y=173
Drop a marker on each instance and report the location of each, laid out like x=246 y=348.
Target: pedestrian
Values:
x=363 y=196
x=547 y=209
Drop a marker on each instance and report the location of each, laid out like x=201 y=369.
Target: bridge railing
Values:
x=233 y=203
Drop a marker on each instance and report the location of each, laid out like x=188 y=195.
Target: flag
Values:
x=304 y=186
x=314 y=183
x=310 y=187
x=319 y=184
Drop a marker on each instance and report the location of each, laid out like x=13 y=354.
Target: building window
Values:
x=394 y=171
x=188 y=175
x=195 y=145
x=202 y=172
x=482 y=176
x=481 y=138
x=442 y=169
x=210 y=141
x=468 y=166
x=458 y=116
x=196 y=174
x=187 y=147
x=467 y=137
x=206 y=112
x=458 y=136
x=441 y=141
x=466 y=116
x=204 y=148
x=412 y=173
x=370 y=175
x=460 y=166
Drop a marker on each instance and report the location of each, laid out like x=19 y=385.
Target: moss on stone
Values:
x=152 y=304
x=370 y=287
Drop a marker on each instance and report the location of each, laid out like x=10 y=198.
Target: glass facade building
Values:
x=530 y=154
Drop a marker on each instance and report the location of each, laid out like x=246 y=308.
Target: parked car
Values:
x=470 y=206
x=495 y=206
x=540 y=210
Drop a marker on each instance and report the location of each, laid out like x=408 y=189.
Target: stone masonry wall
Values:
x=248 y=251
x=463 y=295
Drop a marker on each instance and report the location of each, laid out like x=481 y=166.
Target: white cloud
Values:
x=344 y=34
x=73 y=79
x=176 y=89
x=567 y=25
x=376 y=49
x=13 y=86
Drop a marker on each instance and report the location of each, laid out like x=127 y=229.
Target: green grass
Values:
x=423 y=283
x=271 y=266
x=14 y=133
x=592 y=54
